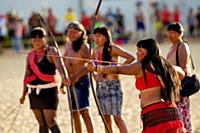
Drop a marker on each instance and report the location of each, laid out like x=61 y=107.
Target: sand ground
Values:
x=19 y=119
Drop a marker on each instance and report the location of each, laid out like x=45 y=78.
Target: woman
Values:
x=175 y=34
x=77 y=47
x=158 y=83
x=40 y=82
x=108 y=89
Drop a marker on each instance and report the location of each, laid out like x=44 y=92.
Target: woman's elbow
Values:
x=130 y=59
x=180 y=72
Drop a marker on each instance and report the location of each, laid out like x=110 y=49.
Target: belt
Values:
x=40 y=87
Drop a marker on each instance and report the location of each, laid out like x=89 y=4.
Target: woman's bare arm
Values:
x=128 y=69
x=57 y=61
x=25 y=89
x=184 y=55
x=123 y=53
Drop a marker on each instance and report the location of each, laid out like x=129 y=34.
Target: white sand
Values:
x=12 y=67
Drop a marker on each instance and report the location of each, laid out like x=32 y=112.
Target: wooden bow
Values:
x=91 y=81
x=63 y=67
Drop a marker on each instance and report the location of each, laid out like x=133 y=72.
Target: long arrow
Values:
x=71 y=58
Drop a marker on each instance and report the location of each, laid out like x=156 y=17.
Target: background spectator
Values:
x=70 y=16
x=3 y=31
x=52 y=20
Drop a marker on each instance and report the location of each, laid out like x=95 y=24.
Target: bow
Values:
x=91 y=82
x=63 y=67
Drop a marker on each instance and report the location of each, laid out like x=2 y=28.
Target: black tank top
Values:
x=45 y=67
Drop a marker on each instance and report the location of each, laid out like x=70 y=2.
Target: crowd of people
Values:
x=15 y=27
x=158 y=80
x=161 y=16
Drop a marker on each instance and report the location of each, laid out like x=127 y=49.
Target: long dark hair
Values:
x=107 y=48
x=76 y=45
x=155 y=63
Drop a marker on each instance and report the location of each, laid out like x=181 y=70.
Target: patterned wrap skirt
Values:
x=110 y=97
x=184 y=111
x=160 y=117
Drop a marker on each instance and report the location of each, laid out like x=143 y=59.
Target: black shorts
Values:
x=46 y=99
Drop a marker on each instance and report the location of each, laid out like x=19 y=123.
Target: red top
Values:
x=86 y=22
x=165 y=15
x=151 y=81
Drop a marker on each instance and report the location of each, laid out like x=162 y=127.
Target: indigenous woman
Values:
x=108 y=88
x=77 y=47
x=40 y=82
x=180 y=57
x=158 y=83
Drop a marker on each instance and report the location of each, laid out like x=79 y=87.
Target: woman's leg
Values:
x=77 y=122
x=184 y=109
x=50 y=116
x=108 y=122
x=88 y=121
x=120 y=123
x=41 y=120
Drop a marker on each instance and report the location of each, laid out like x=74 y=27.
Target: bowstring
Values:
x=72 y=58
x=15 y=118
x=9 y=113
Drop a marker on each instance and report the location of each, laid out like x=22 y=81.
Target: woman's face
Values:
x=99 y=39
x=141 y=53
x=173 y=35
x=38 y=43
x=73 y=34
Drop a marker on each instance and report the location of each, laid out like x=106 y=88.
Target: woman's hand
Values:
x=91 y=67
x=22 y=99
x=66 y=82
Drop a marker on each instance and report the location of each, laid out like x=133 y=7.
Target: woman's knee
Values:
x=118 y=119
x=108 y=117
x=76 y=114
x=50 y=117
x=50 y=122
x=39 y=116
x=85 y=113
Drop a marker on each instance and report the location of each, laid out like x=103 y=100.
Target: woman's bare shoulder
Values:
x=134 y=68
x=51 y=50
